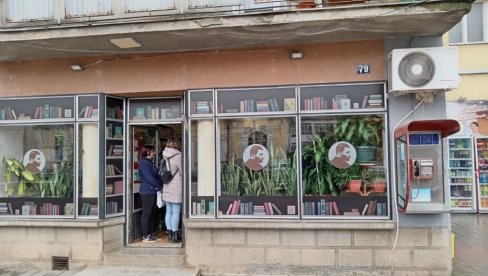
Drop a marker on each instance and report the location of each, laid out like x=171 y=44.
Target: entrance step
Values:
x=169 y=257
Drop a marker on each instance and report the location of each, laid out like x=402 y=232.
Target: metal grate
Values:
x=60 y=263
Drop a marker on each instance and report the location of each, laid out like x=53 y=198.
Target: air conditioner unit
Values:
x=417 y=70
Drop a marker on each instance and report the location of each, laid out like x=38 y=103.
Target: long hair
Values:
x=173 y=142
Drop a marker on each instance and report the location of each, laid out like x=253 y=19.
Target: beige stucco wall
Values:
x=335 y=62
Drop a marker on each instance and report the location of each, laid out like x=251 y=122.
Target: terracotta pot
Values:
x=354 y=185
x=379 y=186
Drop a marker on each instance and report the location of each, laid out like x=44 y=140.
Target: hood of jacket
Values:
x=170 y=152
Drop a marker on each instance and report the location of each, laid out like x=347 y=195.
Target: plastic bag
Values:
x=159 y=200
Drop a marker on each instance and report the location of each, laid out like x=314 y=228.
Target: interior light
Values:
x=76 y=67
x=125 y=43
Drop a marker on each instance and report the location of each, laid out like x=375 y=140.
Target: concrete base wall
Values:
x=38 y=241
x=341 y=251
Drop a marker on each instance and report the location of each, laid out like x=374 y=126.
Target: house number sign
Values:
x=363 y=69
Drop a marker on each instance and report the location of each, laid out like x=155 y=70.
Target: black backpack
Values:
x=165 y=175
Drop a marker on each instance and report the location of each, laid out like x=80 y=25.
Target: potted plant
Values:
x=231 y=178
x=26 y=180
x=318 y=173
x=363 y=132
x=349 y=178
x=376 y=179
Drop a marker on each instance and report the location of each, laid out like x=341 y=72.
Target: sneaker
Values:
x=149 y=238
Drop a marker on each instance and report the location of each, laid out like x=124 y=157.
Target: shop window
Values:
x=88 y=169
x=276 y=143
x=38 y=170
x=343 y=166
x=202 y=167
x=258 y=174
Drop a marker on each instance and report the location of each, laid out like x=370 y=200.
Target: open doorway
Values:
x=140 y=135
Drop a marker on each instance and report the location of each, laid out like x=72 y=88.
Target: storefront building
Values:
x=469 y=106
x=274 y=127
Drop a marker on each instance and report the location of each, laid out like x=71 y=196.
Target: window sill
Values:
x=288 y=224
x=61 y=223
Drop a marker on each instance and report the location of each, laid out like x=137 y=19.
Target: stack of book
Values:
x=375 y=101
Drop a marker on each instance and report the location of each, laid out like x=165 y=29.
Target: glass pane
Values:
x=201 y=102
x=258 y=169
x=341 y=97
x=88 y=107
x=37 y=170
x=343 y=166
x=88 y=169
x=256 y=100
x=475 y=23
x=154 y=109
x=202 y=167
x=456 y=34
x=401 y=169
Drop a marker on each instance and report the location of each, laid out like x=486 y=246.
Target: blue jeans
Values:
x=172 y=217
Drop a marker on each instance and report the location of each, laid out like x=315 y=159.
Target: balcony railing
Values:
x=46 y=12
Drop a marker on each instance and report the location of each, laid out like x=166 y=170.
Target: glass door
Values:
x=482 y=173
x=461 y=175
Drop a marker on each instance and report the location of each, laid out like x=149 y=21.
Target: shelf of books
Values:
x=202 y=206
x=482 y=169
x=257 y=206
x=349 y=206
x=37 y=206
x=256 y=101
x=154 y=109
x=88 y=108
x=201 y=103
x=342 y=98
x=461 y=175
x=114 y=156
x=37 y=109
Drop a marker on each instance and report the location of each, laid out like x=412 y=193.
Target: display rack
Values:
x=461 y=175
x=482 y=173
x=114 y=156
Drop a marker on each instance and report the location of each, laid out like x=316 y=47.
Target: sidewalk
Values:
x=30 y=269
x=471 y=244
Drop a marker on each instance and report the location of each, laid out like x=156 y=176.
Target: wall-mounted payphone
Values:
x=421 y=169
x=419 y=165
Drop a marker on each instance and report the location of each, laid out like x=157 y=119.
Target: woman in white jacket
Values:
x=173 y=191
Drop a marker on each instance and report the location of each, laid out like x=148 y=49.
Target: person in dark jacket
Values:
x=150 y=185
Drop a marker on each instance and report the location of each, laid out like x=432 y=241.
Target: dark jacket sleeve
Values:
x=149 y=177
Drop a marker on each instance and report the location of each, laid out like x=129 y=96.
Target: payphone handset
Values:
x=421 y=169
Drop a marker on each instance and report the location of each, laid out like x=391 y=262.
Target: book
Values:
x=289 y=104
x=69 y=209
x=365 y=101
x=290 y=210
x=275 y=208
x=334 y=206
x=365 y=209
x=68 y=113
x=229 y=209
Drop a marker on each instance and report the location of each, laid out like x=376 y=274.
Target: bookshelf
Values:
x=37 y=109
x=345 y=205
x=88 y=108
x=256 y=101
x=201 y=103
x=154 y=109
x=257 y=206
x=342 y=98
x=114 y=156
